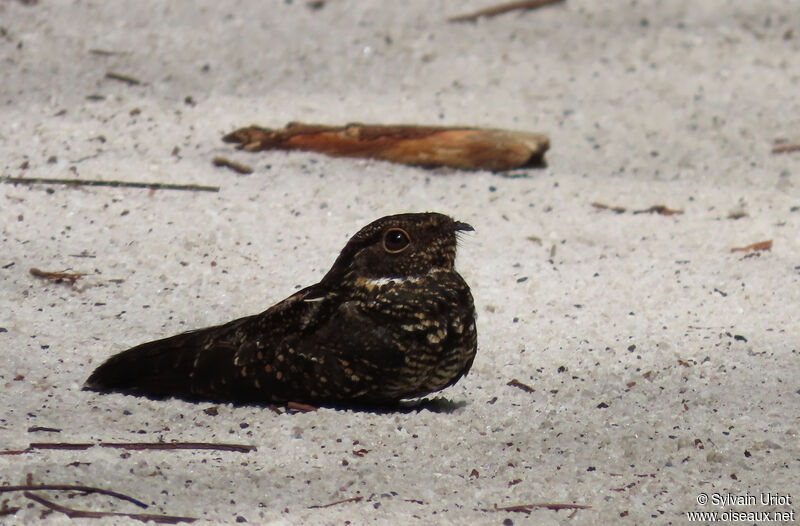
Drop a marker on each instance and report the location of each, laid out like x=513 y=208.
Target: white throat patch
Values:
x=379 y=282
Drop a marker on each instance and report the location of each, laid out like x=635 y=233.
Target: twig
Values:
x=57 y=276
x=123 y=78
x=516 y=383
x=88 y=514
x=37 y=429
x=352 y=499
x=603 y=206
x=233 y=165
x=526 y=508
x=659 y=209
x=239 y=448
x=761 y=245
x=68 y=487
x=103 y=52
x=57 y=445
x=786 y=148
x=502 y=8
x=655 y=209
x=114 y=184
x=9 y=511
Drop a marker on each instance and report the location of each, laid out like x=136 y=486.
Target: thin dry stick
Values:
x=502 y=8
x=59 y=445
x=104 y=52
x=525 y=387
x=659 y=209
x=352 y=499
x=114 y=184
x=9 y=511
x=239 y=448
x=526 y=508
x=37 y=429
x=68 y=487
x=123 y=78
x=88 y=514
x=70 y=277
x=603 y=206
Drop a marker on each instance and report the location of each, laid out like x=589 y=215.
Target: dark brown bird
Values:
x=392 y=319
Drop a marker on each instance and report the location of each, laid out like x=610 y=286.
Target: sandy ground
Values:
x=663 y=366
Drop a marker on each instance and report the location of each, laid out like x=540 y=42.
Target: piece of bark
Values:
x=233 y=165
x=761 y=245
x=428 y=146
x=58 y=277
x=786 y=148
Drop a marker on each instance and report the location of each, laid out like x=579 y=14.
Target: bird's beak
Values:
x=462 y=227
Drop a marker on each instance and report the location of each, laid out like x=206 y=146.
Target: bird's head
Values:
x=399 y=247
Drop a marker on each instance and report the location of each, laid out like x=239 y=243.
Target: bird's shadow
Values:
x=438 y=404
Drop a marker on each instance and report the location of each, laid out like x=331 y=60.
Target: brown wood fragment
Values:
x=502 y=8
x=57 y=277
x=761 y=245
x=88 y=514
x=427 y=146
x=69 y=487
x=786 y=148
x=659 y=209
x=516 y=383
x=343 y=501
x=233 y=165
x=603 y=206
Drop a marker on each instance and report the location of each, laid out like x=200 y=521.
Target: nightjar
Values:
x=391 y=319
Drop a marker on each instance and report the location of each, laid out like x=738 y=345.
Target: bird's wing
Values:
x=206 y=363
x=334 y=351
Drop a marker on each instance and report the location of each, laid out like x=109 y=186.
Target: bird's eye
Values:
x=395 y=240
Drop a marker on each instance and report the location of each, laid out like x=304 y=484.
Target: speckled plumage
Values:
x=392 y=319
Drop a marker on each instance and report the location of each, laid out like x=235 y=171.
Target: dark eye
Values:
x=395 y=240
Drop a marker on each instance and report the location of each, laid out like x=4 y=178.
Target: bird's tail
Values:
x=156 y=369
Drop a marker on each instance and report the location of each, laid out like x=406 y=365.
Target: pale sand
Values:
x=664 y=366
